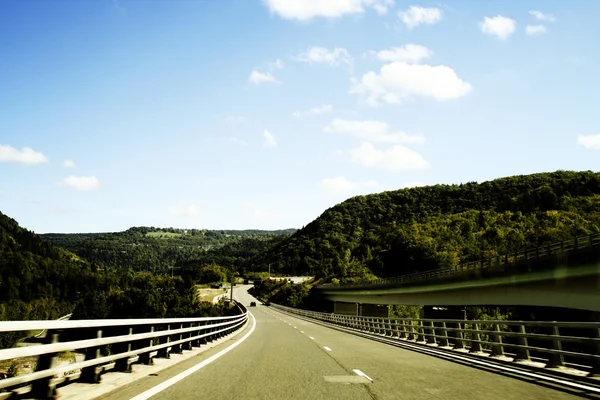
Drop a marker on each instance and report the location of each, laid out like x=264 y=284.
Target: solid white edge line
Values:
x=326 y=348
x=170 y=382
x=360 y=373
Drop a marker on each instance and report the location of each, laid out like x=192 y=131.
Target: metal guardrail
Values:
x=63 y=318
x=111 y=344
x=522 y=341
x=578 y=243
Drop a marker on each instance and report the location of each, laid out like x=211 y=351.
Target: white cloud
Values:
x=410 y=53
x=24 y=156
x=322 y=110
x=238 y=142
x=589 y=141
x=68 y=164
x=190 y=211
x=334 y=58
x=305 y=10
x=235 y=118
x=535 y=29
x=341 y=185
x=395 y=158
x=541 y=16
x=82 y=183
x=261 y=77
x=277 y=64
x=382 y=6
x=415 y=16
x=269 y=139
x=499 y=26
x=373 y=131
x=399 y=80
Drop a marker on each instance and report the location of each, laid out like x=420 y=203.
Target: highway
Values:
x=288 y=358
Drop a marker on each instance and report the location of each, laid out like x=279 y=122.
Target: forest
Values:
x=100 y=275
x=409 y=230
x=41 y=281
x=158 y=250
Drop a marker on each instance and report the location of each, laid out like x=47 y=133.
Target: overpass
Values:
x=563 y=274
x=277 y=352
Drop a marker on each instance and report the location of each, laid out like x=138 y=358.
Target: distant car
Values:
x=253 y=304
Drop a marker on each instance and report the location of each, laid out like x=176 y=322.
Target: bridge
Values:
x=563 y=274
x=278 y=352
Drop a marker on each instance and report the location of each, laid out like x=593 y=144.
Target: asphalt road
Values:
x=289 y=358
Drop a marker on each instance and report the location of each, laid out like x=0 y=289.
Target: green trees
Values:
x=417 y=229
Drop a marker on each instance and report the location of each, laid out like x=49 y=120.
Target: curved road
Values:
x=289 y=358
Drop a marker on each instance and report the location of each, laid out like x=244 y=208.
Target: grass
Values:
x=159 y=234
x=209 y=294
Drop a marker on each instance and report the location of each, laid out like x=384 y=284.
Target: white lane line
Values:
x=295 y=328
x=312 y=337
x=360 y=373
x=326 y=348
x=170 y=382
x=301 y=331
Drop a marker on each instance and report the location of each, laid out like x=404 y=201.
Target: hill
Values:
x=41 y=281
x=416 y=229
x=159 y=249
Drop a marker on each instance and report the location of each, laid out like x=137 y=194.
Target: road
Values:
x=289 y=358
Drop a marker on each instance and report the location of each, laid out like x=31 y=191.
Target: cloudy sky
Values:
x=263 y=113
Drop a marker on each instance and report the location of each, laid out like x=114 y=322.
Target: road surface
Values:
x=289 y=358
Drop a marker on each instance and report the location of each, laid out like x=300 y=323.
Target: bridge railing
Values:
x=547 y=344
x=102 y=345
x=566 y=246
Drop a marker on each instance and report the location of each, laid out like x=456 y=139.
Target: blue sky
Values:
x=261 y=114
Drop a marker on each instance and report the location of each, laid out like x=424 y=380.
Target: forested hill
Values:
x=32 y=269
x=159 y=249
x=408 y=230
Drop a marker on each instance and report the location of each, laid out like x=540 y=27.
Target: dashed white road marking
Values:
x=301 y=331
x=360 y=373
x=326 y=348
x=312 y=337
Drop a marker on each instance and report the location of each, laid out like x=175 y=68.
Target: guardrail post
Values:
x=556 y=359
x=147 y=357
x=92 y=374
x=431 y=339
x=444 y=340
x=421 y=332
x=522 y=352
x=497 y=348
x=165 y=351
x=459 y=337
x=411 y=331
x=195 y=342
x=123 y=364
x=178 y=348
x=475 y=342
x=45 y=388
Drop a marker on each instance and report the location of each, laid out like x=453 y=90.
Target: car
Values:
x=253 y=304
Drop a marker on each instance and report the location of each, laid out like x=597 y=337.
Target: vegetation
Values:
x=41 y=281
x=417 y=229
x=159 y=250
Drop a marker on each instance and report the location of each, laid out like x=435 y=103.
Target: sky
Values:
x=261 y=114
